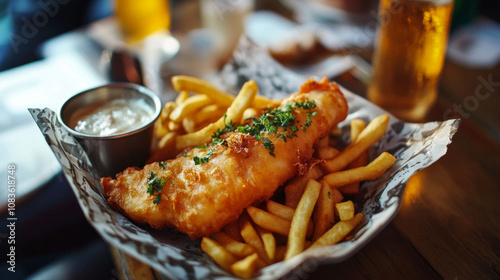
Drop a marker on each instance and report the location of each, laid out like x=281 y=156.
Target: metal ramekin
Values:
x=112 y=154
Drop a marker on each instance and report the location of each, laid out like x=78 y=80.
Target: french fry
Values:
x=160 y=130
x=262 y=102
x=327 y=152
x=269 y=221
x=167 y=140
x=183 y=95
x=280 y=210
x=357 y=126
x=298 y=227
x=324 y=216
x=209 y=113
x=174 y=126
x=206 y=114
x=251 y=237
x=188 y=124
x=200 y=86
x=295 y=188
x=370 y=172
x=369 y=136
x=246 y=267
x=286 y=212
x=161 y=125
x=234 y=112
x=218 y=253
x=353 y=188
x=362 y=160
x=345 y=210
x=238 y=249
x=166 y=110
x=248 y=114
x=269 y=242
x=165 y=148
x=188 y=106
x=338 y=232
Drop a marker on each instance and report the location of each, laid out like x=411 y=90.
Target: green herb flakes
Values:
x=279 y=121
x=162 y=165
x=155 y=185
x=200 y=160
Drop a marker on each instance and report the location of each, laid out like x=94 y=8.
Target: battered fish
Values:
x=207 y=187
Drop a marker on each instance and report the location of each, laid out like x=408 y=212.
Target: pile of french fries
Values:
x=314 y=211
x=199 y=111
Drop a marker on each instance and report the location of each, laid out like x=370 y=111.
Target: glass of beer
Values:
x=409 y=55
x=138 y=19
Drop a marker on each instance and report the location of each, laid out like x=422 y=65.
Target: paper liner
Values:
x=175 y=256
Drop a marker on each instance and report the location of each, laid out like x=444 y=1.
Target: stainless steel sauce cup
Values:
x=112 y=154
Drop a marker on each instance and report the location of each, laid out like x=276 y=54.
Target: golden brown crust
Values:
x=322 y=85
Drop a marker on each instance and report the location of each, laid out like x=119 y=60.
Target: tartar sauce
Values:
x=115 y=117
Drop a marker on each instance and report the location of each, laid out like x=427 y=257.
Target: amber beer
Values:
x=140 y=18
x=409 y=55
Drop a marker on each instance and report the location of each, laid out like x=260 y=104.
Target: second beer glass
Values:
x=409 y=55
x=138 y=19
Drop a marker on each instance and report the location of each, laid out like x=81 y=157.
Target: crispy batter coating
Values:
x=200 y=199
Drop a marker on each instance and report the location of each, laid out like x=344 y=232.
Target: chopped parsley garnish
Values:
x=271 y=121
x=202 y=147
x=306 y=105
x=162 y=164
x=228 y=127
x=309 y=120
x=279 y=121
x=217 y=141
x=200 y=160
x=155 y=184
x=268 y=144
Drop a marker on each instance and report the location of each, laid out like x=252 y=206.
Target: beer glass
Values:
x=138 y=19
x=409 y=55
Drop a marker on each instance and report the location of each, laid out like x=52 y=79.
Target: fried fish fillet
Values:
x=208 y=187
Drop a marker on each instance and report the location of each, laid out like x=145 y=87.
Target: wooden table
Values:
x=448 y=226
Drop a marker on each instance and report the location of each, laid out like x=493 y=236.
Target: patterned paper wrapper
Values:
x=173 y=255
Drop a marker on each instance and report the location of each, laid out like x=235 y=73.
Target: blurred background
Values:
x=51 y=49
x=42 y=20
